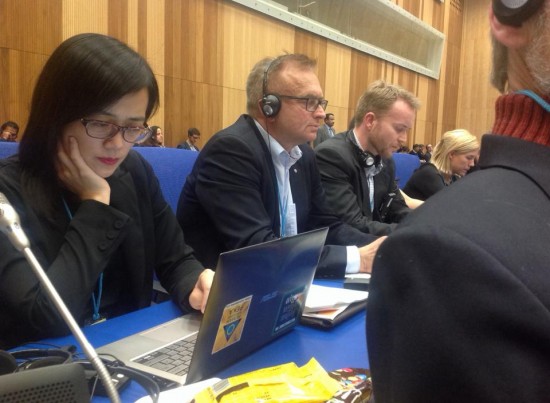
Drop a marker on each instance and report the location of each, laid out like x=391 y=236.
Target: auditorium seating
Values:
x=8 y=148
x=171 y=165
x=405 y=165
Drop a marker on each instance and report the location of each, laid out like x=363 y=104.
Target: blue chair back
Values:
x=8 y=148
x=172 y=166
x=405 y=165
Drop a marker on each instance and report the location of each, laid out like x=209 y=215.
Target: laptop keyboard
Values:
x=174 y=358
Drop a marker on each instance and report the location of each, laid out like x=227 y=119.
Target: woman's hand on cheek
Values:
x=78 y=177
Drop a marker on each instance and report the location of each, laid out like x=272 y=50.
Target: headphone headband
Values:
x=22 y=360
x=34 y=358
x=515 y=12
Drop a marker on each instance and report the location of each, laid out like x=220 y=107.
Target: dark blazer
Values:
x=129 y=239
x=230 y=199
x=323 y=133
x=459 y=303
x=346 y=187
x=425 y=181
x=185 y=145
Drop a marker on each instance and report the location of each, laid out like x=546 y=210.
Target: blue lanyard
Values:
x=283 y=210
x=96 y=302
x=539 y=100
x=283 y=203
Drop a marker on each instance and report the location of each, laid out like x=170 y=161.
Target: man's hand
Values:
x=199 y=295
x=367 y=254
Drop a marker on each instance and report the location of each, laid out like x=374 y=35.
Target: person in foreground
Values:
x=91 y=207
x=357 y=169
x=459 y=308
x=257 y=180
x=453 y=157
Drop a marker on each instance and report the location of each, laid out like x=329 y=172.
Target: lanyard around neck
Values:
x=535 y=97
x=96 y=301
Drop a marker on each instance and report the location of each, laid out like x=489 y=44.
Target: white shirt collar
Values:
x=278 y=153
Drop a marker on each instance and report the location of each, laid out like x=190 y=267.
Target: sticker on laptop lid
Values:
x=291 y=307
x=232 y=323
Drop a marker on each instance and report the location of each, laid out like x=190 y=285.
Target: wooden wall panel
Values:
x=29 y=31
x=32 y=26
x=22 y=68
x=315 y=47
x=337 y=84
x=248 y=37
x=364 y=70
x=202 y=51
x=234 y=105
x=81 y=16
x=155 y=41
x=117 y=26
x=476 y=97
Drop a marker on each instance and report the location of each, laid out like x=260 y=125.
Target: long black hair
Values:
x=152 y=141
x=84 y=75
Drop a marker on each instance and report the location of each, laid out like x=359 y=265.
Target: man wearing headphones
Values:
x=257 y=180
x=357 y=169
x=459 y=307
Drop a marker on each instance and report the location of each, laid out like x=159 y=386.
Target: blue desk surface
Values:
x=343 y=346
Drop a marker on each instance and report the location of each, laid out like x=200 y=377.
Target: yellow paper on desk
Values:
x=282 y=383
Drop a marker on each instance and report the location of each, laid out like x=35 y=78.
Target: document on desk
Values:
x=328 y=306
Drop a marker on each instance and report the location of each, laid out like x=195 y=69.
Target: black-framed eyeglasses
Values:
x=99 y=129
x=311 y=103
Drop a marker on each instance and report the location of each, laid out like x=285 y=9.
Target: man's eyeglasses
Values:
x=105 y=130
x=311 y=103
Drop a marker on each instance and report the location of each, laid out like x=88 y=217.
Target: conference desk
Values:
x=340 y=347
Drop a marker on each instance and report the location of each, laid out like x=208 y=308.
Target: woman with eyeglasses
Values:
x=91 y=207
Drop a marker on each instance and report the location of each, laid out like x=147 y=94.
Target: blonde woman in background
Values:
x=452 y=158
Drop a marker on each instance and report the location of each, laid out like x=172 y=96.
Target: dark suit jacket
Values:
x=347 y=190
x=459 y=303
x=185 y=145
x=323 y=133
x=230 y=199
x=137 y=230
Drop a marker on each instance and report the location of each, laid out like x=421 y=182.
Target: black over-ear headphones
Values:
x=515 y=12
x=34 y=358
x=270 y=103
x=16 y=361
x=366 y=159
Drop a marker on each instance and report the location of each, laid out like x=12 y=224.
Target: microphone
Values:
x=10 y=225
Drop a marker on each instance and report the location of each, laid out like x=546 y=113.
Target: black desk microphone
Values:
x=10 y=225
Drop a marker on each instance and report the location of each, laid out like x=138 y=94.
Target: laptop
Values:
x=258 y=294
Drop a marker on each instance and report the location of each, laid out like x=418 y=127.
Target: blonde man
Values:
x=357 y=169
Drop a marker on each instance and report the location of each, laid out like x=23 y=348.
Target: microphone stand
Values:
x=89 y=351
x=9 y=225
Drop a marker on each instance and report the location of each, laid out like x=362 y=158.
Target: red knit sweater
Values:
x=519 y=116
